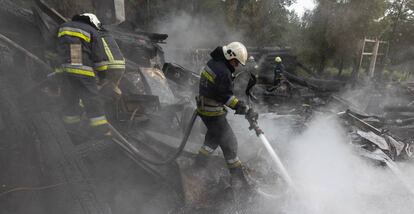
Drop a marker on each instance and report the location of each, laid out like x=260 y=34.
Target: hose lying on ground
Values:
x=126 y=145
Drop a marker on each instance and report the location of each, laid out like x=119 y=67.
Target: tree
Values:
x=334 y=28
x=399 y=20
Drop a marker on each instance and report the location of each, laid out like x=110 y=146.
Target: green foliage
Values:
x=334 y=28
x=263 y=22
x=329 y=36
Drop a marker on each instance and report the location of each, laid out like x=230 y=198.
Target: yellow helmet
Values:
x=278 y=59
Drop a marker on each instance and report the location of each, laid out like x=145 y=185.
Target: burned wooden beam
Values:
x=26 y=52
x=399 y=108
x=51 y=12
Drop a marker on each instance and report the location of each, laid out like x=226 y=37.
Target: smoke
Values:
x=187 y=32
x=330 y=177
x=335 y=180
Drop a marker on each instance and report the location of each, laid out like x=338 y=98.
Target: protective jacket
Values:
x=77 y=48
x=216 y=86
x=109 y=55
x=279 y=73
x=280 y=68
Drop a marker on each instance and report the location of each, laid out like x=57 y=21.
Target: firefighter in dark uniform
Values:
x=110 y=66
x=278 y=71
x=215 y=92
x=78 y=49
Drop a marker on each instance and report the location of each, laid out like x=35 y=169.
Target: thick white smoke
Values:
x=187 y=33
x=331 y=178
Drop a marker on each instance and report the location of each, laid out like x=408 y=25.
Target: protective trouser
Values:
x=277 y=78
x=76 y=89
x=219 y=133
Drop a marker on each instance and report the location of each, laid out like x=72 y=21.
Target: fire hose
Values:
x=132 y=150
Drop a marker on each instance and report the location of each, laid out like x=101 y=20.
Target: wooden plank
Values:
x=65 y=166
x=26 y=52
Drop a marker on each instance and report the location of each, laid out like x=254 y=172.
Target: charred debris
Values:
x=51 y=170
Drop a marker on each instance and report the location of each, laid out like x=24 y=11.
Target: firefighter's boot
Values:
x=242 y=186
x=238 y=179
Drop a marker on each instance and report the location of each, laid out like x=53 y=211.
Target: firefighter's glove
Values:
x=251 y=115
x=241 y=108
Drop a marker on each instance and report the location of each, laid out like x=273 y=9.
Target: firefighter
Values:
x=78 y=47
x=110 y=66
x=254 y=75
x=215 y=92
x=250 y=70
x=278 y=71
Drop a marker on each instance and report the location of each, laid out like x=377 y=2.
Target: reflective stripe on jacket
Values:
x=216 y=83
x=110 y=55
x=77 y=48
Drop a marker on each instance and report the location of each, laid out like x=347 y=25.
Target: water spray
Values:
x=379 y=155
x=275 y=158
x=254 y=126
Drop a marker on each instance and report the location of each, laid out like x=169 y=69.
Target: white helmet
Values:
x=93 y=19
x=235 y=50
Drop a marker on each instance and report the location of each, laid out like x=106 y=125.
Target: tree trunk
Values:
x=341 y=66
x=397 y=19
x=322 y=64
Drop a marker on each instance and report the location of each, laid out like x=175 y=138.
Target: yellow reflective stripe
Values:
x=116 y=66
x=117 y=62
x=71 y=119
x=211 y=72
x=75 y=34
x=74 y=29
x=106 y=67
x=97 y=121
x=210 y=113
x=208 y=76
x=114 y=62
x=79 y=71
x=102 y=68
x=108 y=50
x=232 y=102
